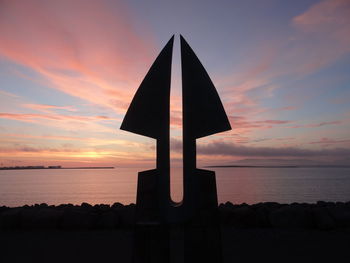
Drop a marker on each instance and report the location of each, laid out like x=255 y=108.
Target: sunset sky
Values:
x=69 y=70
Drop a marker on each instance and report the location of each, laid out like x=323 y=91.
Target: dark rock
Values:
x=262 y=214
x=107 y=220
x=322 y=215
x=330 y=204
x=292 y=216
x=127 y=215
x=3 y=209
x=341 y=215
x=322 y=218
x=271 y=206
x=347 y=205
x=28 y=218
x=117 y=205
x=243 y=217
x=85 y=205
x=225 y=213
x=49 y=218
x=11 y=218
x=103 y=208
x=43 y=218
x=64 y=206
x=78 y=219
x=321 y=204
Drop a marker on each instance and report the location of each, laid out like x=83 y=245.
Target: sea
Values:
x=235 y=184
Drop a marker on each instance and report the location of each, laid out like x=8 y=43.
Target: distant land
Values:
x=278 y=166
x=284 y=163
x=37 y=167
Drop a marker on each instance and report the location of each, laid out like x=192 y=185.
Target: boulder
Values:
x=225 y=213
x=107 y=220
x=86 y=205
x=43 y=218
x=3 y=209
x=262 y=214
x=117 y=205
x=291 y=216
x=11 y=218
x=77 y=218
x=29 y=218
x=322 y=219
x=340 y=214
x=127 y=215
x=272 y=206
x=243 y=216
x=321 y=204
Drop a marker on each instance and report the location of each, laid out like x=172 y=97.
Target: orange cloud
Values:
x=27 y=155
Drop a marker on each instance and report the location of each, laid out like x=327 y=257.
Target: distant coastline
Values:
x=278 y=166
x=51 y=167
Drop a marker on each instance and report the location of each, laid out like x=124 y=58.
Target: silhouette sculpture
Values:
x=203 y=115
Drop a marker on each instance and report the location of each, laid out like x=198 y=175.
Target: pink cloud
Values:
x=240 y=122
x=328 y=13
x=285 y=139
x=87 y=49
x=225 y=148
x=57 y=117
x=327 y=26
x=318 y=38
x=320 y=124
x=326 y=140
x=48 y=108
x=64 y=122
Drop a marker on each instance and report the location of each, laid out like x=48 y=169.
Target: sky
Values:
x=69 y=70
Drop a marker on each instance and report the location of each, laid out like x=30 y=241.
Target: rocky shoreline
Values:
x=319 y=216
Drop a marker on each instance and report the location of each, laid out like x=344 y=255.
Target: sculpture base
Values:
x=196 y=222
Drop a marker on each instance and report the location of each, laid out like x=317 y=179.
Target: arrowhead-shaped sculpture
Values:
x=203 y=115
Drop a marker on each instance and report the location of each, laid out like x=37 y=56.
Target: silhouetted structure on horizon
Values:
x=203 y=115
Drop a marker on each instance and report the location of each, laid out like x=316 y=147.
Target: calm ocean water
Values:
x=238 y=185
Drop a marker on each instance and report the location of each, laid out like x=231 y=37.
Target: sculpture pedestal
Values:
x=195 y=223
x=151 y=234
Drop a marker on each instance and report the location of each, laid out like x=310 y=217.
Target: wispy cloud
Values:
x=329 y=141
x=48 y=108
x=8 y=94
x=63 y=122
x=88 y=49
x=319 y=124
x=57 y=117
x=328 y=24
x=229 y=149
x=315 y=39
x=243 y=123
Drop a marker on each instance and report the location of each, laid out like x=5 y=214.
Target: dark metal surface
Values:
x=203 y=115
